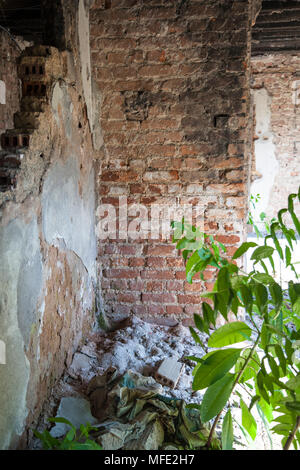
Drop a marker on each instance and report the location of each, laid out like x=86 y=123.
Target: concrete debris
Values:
x=81 y=364
x=142 y=347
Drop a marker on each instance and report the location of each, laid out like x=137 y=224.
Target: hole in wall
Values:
x=28 y=90
x=25 y=141
x=221 y=120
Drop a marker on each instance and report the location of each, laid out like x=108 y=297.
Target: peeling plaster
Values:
x=62 y=107
x=68 y=218
x=85 y=56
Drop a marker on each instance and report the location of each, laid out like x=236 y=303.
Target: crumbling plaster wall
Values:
x=48 y=249
x=174 y=114
x=276 y=89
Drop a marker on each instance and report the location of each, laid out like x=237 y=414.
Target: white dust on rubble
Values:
x=140 y=347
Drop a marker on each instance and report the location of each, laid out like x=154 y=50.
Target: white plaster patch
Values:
x=266 y=163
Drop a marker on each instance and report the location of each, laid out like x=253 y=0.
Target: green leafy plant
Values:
x=256 y=362
x=73 y=440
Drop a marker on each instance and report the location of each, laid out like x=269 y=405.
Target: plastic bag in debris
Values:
x=134 y=415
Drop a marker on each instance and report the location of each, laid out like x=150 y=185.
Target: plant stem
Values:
x=254 y=324
x=292 y=434
x=244 y=388
x=208 y=444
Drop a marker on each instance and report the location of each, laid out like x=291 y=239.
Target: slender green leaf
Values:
x=227 y=432
x=261 y=296
x=273 y=366
x=276 y=294
x=262 y=252
x=248 y=421
x=265 y=422
x=215 y=367
x=263 y=278
x=281 y=357
x=208 y=313
x=261 y=387
x=266 y=409
x=293 y=405
x=196 y=337
x=246 y=298
x=200 y=323
x=243 y=248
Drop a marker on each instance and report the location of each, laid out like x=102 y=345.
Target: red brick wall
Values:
x=8 y=74
x=279 y=74
x=174 y=83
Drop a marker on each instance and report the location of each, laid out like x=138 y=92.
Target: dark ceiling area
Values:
x=277 y=27
x=22 y=18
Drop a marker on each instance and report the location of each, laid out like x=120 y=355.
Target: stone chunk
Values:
x=169 y=372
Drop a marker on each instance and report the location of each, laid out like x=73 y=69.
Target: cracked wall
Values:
x=47 y=237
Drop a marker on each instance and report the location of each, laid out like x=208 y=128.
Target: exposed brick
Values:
x=156 y=262
x=157 y=274
x=137 y=262
x=158 y=250
x=121 y=273
x=228 y=239
x=127 y=298
x=159 y=298
x=190 y=141
x=174 y=309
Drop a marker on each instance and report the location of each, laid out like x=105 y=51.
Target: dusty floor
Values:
x=141 y=347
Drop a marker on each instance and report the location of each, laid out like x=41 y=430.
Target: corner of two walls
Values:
x=175 y=111
x=48 y=247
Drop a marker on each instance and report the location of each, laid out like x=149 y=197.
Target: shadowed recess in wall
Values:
x=40 y=21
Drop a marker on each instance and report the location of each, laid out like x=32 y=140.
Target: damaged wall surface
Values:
x=47 y=231
x=174 y=85
x=276 y=89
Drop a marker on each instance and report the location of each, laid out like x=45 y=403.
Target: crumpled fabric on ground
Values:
x=134 y=415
